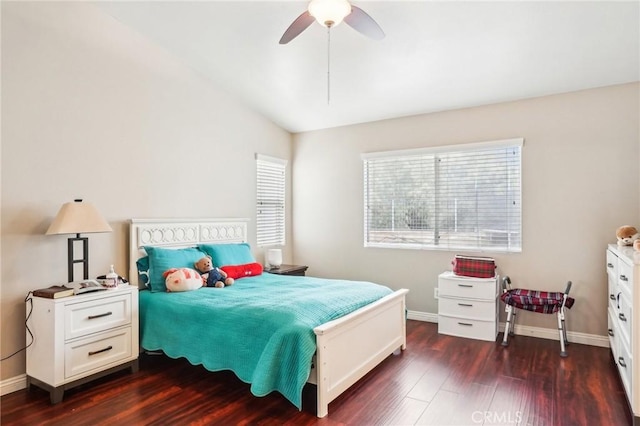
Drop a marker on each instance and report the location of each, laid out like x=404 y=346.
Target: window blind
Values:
x=465 y=197
x=270 y=201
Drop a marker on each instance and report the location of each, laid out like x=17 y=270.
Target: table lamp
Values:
x=274 y=258
x=78 y=218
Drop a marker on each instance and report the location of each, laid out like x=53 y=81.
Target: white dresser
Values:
x=79 y=338
x=468 y=307
x=623 y=272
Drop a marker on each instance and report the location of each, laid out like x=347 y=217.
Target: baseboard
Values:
x=422 y=316
x=525 y=330
x=13 y=384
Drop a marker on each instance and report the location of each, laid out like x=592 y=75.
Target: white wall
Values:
x=92 y=110
x=580 y=182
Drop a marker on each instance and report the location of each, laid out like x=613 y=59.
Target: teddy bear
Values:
x=182 y=279
x=211 y=275
x=626 y=235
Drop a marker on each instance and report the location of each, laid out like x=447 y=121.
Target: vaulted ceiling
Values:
x=436 y=55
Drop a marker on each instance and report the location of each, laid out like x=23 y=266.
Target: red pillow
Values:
x=241 y=271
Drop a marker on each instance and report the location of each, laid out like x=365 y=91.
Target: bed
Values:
x=326 y=332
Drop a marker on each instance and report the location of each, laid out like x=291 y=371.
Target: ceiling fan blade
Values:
x=360 y=21
x=301 y=23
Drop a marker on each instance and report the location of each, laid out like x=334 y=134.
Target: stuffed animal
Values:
x=182 y=279
x=212 y=276
x=627 y=235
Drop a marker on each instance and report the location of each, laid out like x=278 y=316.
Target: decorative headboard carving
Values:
x=180 y=233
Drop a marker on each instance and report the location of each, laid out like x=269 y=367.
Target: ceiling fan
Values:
x=330 y=13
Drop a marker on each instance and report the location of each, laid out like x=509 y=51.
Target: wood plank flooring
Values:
x=438 y=380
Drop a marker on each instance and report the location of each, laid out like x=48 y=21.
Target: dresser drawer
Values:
x=612 y=331
x=468 y=308
x=469 y=328
x=467 y=288
x=625 y=366
x=624 y=313
x=93 y=316
x=625 y=277
x=612 y=265
x=613 y=292
x=97 y=352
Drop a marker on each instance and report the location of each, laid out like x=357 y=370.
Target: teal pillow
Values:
x=228 y=254
x=143 y=270
x=161 y=259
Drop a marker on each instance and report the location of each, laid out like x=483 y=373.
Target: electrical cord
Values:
x=30 y=300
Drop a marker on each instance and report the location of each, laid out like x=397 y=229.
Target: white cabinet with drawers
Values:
x=623 y=274
x=79 y=338
x=468 y=307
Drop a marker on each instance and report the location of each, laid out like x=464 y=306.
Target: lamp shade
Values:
x=78 y=217
x=274 y=258
x=329 y=12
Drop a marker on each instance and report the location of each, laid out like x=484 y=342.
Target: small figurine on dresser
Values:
x=627 y=235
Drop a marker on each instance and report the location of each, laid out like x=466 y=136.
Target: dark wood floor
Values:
x=438 y=380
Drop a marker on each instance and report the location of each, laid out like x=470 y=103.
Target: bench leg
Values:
x=509 y=325
x=563 y=334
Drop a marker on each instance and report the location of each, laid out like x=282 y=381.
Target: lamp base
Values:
x=72 y=261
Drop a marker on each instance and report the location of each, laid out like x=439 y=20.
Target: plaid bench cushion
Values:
x=544 y=302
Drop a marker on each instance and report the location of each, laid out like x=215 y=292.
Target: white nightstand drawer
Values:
x=464 y=287
x=468 y=308
x=93 y=316
x=463 y=327
x=96 y=352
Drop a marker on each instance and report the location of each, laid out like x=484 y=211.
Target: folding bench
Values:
x=543 y=302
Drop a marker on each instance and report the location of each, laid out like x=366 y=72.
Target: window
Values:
x=464 y=197
x=270 y=199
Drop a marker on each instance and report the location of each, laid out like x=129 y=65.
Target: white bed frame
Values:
x=347 y=348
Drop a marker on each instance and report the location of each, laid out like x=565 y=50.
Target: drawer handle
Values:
x=612 y=297
x=624 y=278
x=106 y=314
x=621 y=362
x=465 y=285
x=622 y=317
x=609 y=265
x=108 y=348
x=469 y=305
x=610 y=331
x=465 y=323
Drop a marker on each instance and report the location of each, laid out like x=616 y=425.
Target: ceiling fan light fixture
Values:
x=329 y=13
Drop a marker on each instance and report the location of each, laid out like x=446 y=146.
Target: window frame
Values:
x=435 y=151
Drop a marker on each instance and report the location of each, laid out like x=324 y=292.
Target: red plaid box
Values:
x=477 y=267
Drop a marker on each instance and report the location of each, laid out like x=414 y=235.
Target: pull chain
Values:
x=328 y=64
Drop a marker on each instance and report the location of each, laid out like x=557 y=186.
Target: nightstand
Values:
x=298 y=270
x=79 y=338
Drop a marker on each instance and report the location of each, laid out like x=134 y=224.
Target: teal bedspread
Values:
x=261 y=328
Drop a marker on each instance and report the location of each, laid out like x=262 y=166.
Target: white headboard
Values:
x=180 y=232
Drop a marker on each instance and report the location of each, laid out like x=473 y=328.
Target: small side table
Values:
x=297 y=270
